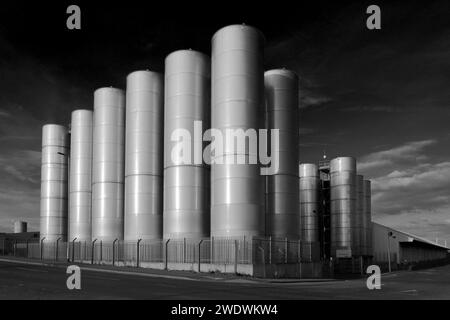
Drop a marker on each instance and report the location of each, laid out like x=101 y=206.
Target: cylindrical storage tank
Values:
x=342 y=204
x=282 y=211
x=108 y=164
x=80 y=178
x=144 y=156
x=237 y=190
x=186 y=181
x=309 y=202
x=367 y=218
x=20 y=226
x=54 y=174
x=358 y=218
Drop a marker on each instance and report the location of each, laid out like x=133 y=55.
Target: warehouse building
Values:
x=402 y=249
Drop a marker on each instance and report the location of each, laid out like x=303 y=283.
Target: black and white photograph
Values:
x=226 y=157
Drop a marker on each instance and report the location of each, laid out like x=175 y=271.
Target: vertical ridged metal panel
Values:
x=367 y=218
x=144 y=156
x=186 y=185
x=108 y=164
x=54 y=188
x=80 y=189
x=343 y=203
x=358 y=218
x=282 y=211
x=309 y=202
x=237 y=190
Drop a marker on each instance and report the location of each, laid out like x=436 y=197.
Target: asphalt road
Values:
x=22 y=281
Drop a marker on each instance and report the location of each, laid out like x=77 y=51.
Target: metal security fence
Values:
x=219 y=251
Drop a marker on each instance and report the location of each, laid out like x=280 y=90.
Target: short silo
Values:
x=282 y=211
x=309 y=202
x=186 y=111
x=144 y=156
x=237 y=190
x=367 y=218
x=80 y=189
x=20 y=226
x=54 y=174
x=342 y=205
x=108 y=164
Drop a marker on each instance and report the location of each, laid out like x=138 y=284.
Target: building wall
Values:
x=403 y=248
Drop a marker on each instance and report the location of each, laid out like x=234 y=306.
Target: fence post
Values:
x=286 y=250
x=114 y=251
x=310 y=252
x=299 y=252
x=184 y=250
x=27 y=247
x=15 y=247
x=199 y=255
x=101 y=250
x=42 y=248
x=166 y=262
x=137 y=253
x=270 y=250
x=73 y=250
x=93 y=251
x=211 y=259
x=57 y=249
x=235 y=255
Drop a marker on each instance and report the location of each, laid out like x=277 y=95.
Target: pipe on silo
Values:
x=367 y=218
x=309 y=202
x=343 y=203
x=108 y=164
x=54 y=188
x=80 y=178
x=358 y=219
x=237 y=190
x=282 y=211
x=144 y=156
x=186 y=185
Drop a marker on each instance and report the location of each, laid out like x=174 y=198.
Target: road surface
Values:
x=24 y=281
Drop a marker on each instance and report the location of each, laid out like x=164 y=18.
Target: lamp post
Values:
x=389 y=235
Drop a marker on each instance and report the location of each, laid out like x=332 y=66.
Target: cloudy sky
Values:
x=382 y=96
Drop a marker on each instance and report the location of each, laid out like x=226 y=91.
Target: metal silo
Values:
x=367 y=218
x=54 y=174
x=309 y=202
x=342 y=205
x=80 y=188
x=282 y=211
x=237 y=195
x=108 y=164
x=144 y=156
x=20 y=226
x=186 y=185
x=358 y=218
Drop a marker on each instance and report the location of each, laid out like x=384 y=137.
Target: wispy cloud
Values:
x=411 y=152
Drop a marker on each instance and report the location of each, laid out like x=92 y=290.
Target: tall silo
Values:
x=309 y=202
x=54 y=174
x=358 y=218
x=144 y=156
x=108 y=164
x=282 y=211
x=367 y=218
x=186 y=183
x=80 y=179
x=237 y=195
x=342 y=205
